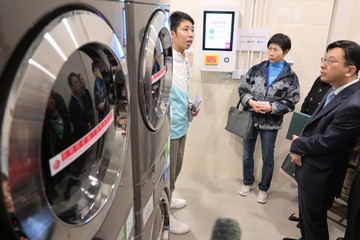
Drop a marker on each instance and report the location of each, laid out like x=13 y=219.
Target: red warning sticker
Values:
x=158 y=75
x=70 y=154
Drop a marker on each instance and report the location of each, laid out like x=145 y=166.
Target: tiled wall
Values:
x=210 y=150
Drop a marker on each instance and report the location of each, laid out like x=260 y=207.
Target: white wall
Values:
x=210 y=150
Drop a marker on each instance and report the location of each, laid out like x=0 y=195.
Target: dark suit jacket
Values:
x=314 y=96
x=78 y=118
x=326 y=143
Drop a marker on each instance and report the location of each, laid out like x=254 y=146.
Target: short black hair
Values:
x=4 y=177
x=177 y=17
x=71 y=75
x=282 y=40
x=351 y=52
x=95 y=64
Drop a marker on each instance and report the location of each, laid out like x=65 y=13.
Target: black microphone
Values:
x=226 y=229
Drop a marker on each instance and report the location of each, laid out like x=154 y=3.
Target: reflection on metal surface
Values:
x=53 y=43
x=10 y=208
x=155 y=72
x=68 y=28
x=40 y=67
x=158 y=75
x=56 y=101
x=74 y=151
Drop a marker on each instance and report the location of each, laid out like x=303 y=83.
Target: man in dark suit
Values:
x=323 y=149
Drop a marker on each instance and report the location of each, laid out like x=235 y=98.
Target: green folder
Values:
x=297 y=123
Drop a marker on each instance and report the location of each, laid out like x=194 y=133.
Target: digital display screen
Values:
x=218 y=30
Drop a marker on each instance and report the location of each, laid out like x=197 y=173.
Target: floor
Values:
x=211 y=198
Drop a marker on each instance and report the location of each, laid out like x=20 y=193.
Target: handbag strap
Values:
x=237 y=106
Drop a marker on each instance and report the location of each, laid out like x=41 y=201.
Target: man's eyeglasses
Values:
x=329 y=62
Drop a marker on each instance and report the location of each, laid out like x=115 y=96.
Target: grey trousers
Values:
x=177 y=148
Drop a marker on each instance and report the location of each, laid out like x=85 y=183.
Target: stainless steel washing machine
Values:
x=149 y=55
x=65 y=160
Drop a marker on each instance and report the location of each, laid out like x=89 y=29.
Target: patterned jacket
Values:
x=282 y=94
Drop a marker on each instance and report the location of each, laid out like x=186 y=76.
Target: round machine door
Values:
x=64 y=130
x=161 y=226
x=155 y=71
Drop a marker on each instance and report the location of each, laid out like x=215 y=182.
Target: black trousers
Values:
x=313 y=216
x=353 y=217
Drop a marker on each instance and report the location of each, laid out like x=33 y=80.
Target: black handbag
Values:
x=239 y=122
x=288 y=169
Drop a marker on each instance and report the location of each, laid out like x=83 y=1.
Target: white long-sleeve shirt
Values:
x=179 y=99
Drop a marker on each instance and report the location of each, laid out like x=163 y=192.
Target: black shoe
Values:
x=293 y=217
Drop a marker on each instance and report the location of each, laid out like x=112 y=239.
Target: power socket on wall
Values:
x=225 y=75
x=236 y=74
x=231 y=75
